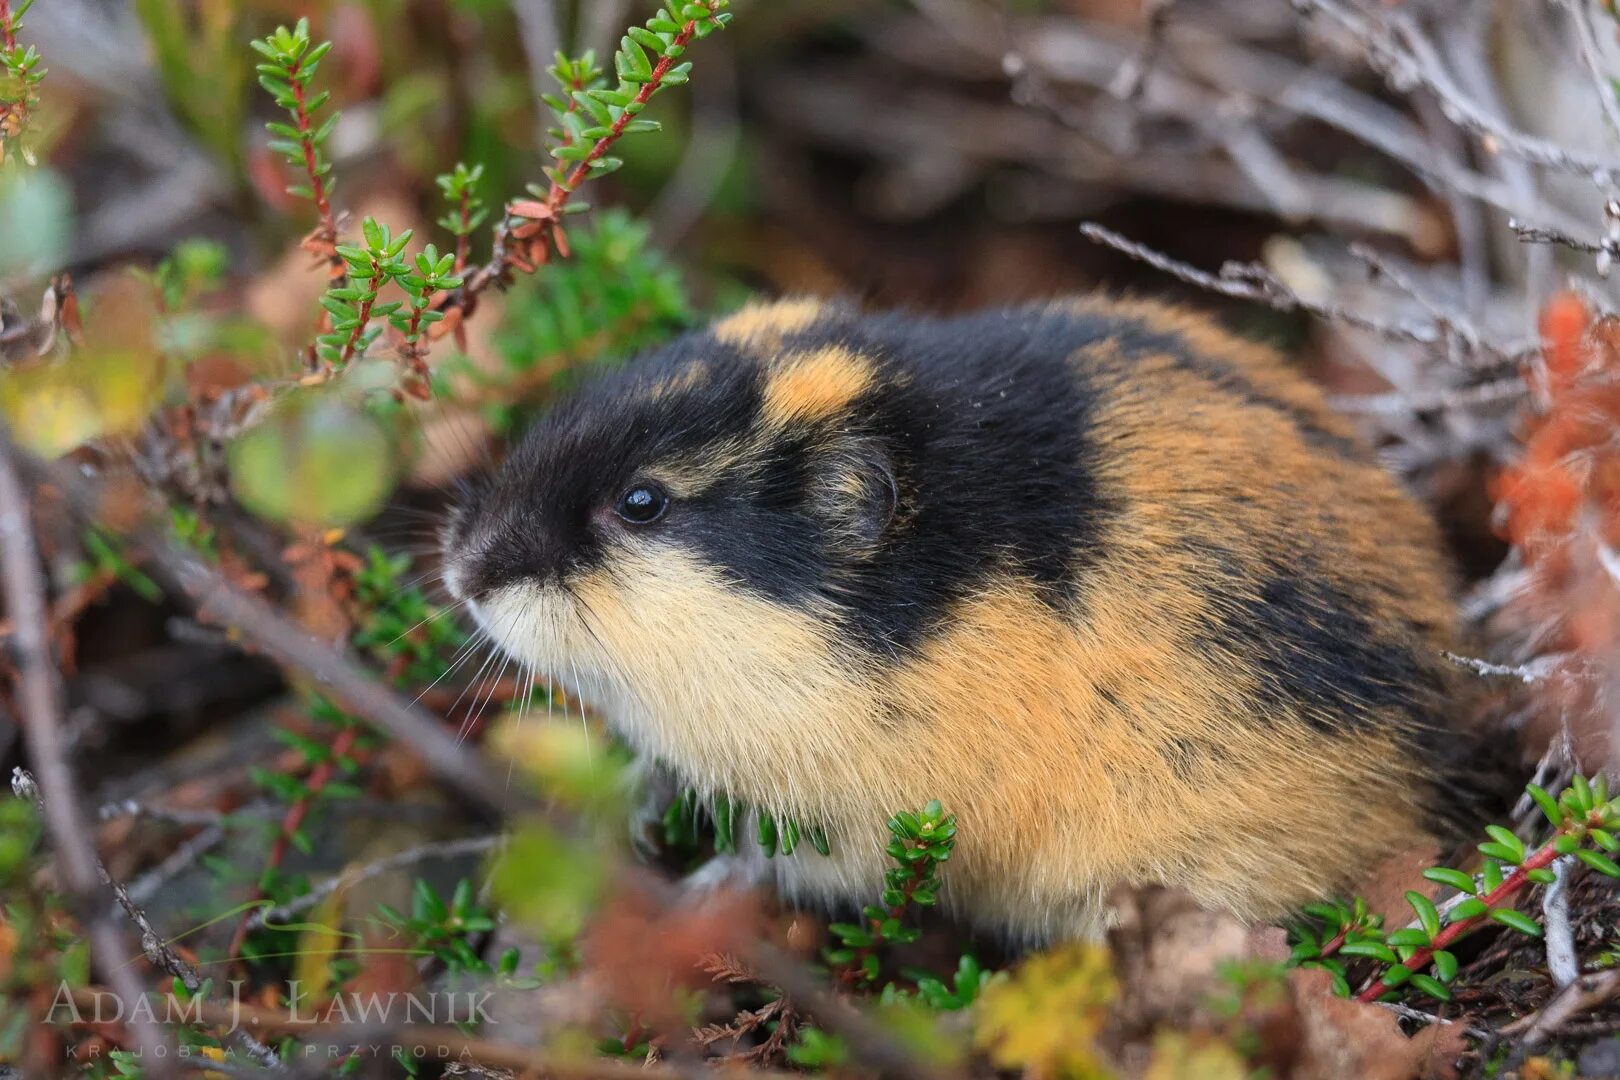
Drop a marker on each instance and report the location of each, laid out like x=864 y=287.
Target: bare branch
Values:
x=1580 y=13
x=1527 y=673
x=1540 y=234
x=1586 y=992
x=1403 y=54
x=1251 y=281
x=1128 y=83
x=154 y=946
x=40 y=700
x=1463 y=399
x=471 y=845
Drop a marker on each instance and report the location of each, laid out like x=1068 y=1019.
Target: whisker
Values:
x=478 y=637
x=435 y=617
x=475 y=718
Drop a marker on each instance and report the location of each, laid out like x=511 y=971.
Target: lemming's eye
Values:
x=642 y=504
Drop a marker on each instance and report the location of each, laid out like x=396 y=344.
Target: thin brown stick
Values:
x=472 y=845
x=1586 y=992
x=40 y=701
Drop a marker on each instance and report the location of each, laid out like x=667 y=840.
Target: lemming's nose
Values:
x=514 y=552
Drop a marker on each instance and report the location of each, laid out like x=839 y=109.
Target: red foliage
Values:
x=1559 y=504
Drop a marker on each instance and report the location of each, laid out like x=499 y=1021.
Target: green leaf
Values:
x=1517 y=920
x=1599 y=862
x=1375 y=949
x=1458 y=880
x=1548 y=804
x=1431 y=986
x=650 y=40
x=724 y=825
x=1426 y=913
x=632 y=64
x=1509 y=840
x=1328 y=912
x=1445 y=965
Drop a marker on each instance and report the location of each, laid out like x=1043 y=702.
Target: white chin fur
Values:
x=539 y=626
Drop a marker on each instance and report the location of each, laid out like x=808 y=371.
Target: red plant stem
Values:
x=362 y=317
x=292 y=821
x=8 y=30
x=461 y=236
x=317 y=186
x=1515 y=881
x=1333 y=943
x=854 y=971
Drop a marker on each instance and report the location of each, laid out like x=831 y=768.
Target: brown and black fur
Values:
x=1115 y=586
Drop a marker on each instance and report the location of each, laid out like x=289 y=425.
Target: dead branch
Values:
x=1586 y=992
x=40 y=699
x=472 y=845
x=1398 y=49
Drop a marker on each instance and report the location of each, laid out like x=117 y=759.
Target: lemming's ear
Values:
x=855 y=492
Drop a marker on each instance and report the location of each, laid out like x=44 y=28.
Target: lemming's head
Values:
x=721 y=488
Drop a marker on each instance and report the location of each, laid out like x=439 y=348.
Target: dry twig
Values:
x=40 y=699
x=1586 y=992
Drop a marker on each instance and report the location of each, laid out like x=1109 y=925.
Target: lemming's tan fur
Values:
x=1061 y=743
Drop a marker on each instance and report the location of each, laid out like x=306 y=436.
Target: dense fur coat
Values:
x=1115 y=586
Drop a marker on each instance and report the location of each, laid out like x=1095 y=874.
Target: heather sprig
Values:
x=353 y=306
x=592 y=116
x=430 y=274
x=447 y=930
x=467 y=210
x=919 y=843
x=20 y=76
x=1584 y=822
x=290 y=63
x=683 y=826
x=410 y=636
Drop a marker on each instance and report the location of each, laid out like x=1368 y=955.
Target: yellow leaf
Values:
x=318 y=945
x=1045 y=1019
x=213 y=1053
x=1181 y=1057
